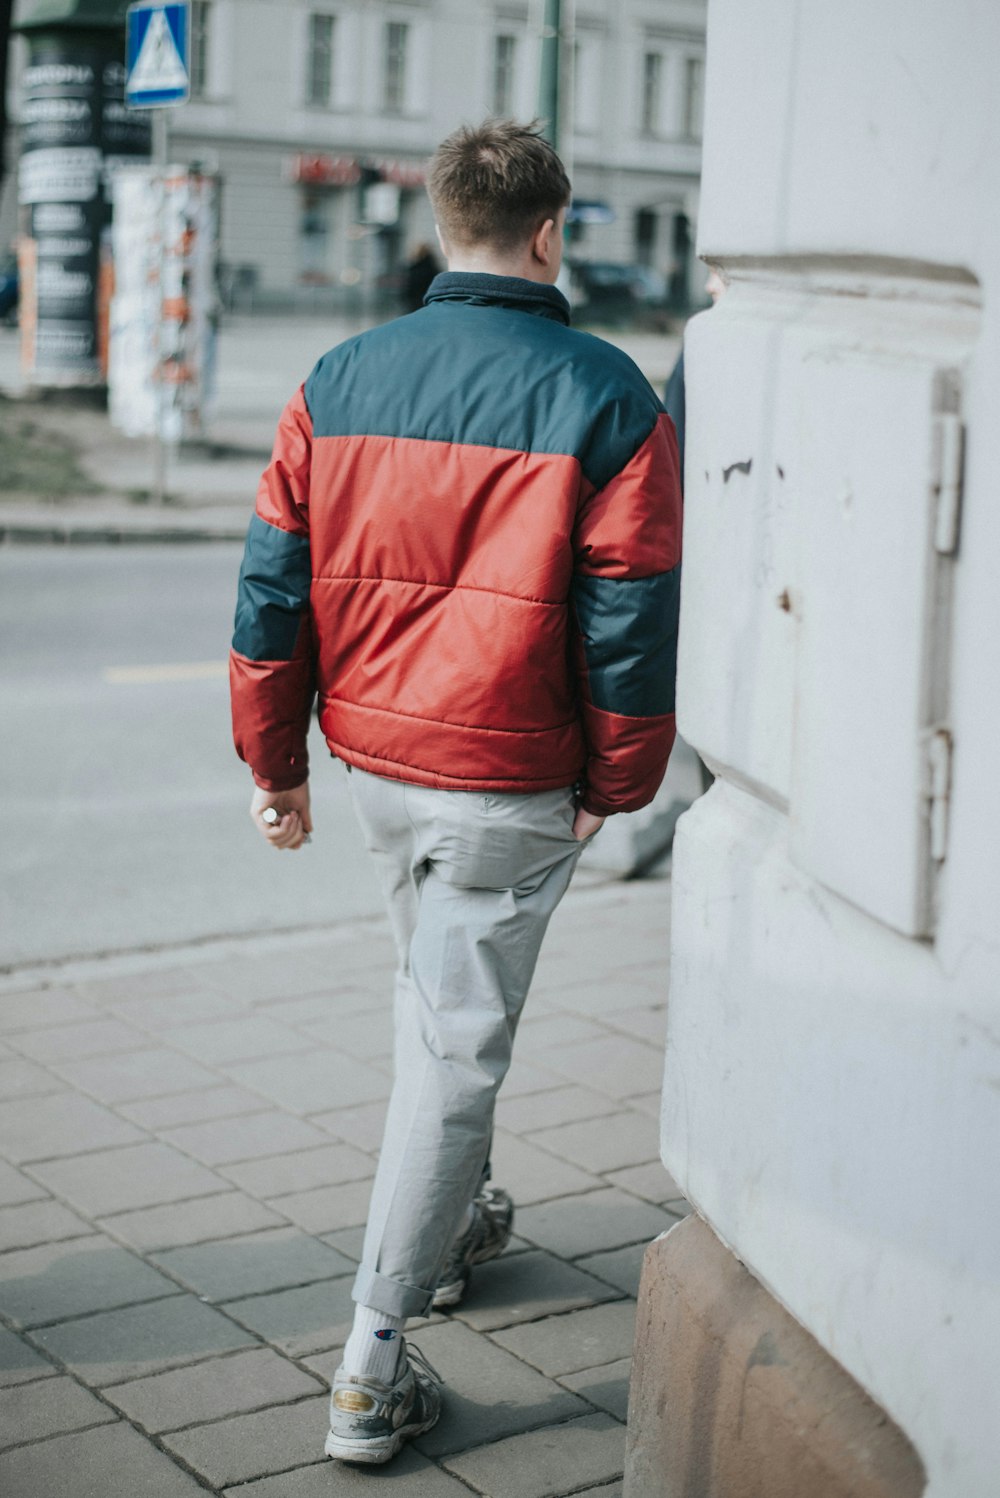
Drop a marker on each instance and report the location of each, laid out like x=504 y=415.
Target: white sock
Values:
x=372 y=1349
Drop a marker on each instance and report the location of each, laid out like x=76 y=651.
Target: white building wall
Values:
x=832 y=1090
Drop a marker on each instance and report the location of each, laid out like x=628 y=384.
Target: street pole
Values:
x=160 y=160
x=549 y=72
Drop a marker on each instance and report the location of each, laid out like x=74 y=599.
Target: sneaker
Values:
x=370 y=1420
x=486 y=1237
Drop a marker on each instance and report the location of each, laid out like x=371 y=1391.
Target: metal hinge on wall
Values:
x=949 y=462
x=939 y=753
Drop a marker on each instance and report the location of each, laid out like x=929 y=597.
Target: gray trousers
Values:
x=471 y=880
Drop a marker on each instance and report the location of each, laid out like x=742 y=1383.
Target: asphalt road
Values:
x=122 y=804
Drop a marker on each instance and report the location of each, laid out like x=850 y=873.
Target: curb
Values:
x=104 y=533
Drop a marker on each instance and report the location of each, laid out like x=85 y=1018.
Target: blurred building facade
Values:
x=320 y=115
x=828 y=1323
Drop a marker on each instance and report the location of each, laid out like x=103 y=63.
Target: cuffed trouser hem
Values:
x=391 y=1297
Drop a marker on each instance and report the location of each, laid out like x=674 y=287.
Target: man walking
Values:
x=468 y=544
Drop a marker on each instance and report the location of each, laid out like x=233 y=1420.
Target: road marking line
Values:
x=130 y=676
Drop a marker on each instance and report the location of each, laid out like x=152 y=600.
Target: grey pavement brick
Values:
x=197 y=1221
x=408 y=1473
x=362 y=1034
x=121 y=1180
x=646 y=1024
x=158 y=982
x=58 y=1280
x=32 y=1008
x=273 y=1260
x=109 y=1462
x=34 y=1411
x=578 y=1225
x=101 y=1037
x=311 y=1082
x=489 y=1393
x=251 y=1136
x=118 y=1345
x=650 y=1103
x=16 y=1188
x=246 y=1446
x=566 y=1344
x=19 y=1362
x=160 y=1012
x=40 y=1127
x=361 y=1126
x=523 y=1287
x=537 y=1035
x=605 y=1490
x=301 y=1321
x=328 y=1207
x=544 y=1110
x=601 y=1144
x=524 y=1077
x=556 y=1460
x=535 y=1175
x=616 y=1065
x=651 y=1181
x=200 y=1106
x=677 y=1209
x=244 y=1038
x=134 y=1074
x=39 y=1222
x=318 y=1008
x=21 y=1078
x=302 y=1171
x=349 y=1241
x=607 y=1387
x=209 y=1391
x=598 y=997
x=262 y=978
x=621 y=1267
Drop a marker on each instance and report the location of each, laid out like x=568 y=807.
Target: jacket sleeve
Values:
x=626 y=596
x=271 y=670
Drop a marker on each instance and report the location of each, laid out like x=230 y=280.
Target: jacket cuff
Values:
x=283 y=783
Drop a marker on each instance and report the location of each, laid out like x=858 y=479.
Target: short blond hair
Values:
x=495 y=184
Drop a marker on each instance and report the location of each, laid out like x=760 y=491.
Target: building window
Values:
x=652 y=92
x=200 y=22
x=694 y=97
x=319 y=62
x=504 y=52
x=396 y=37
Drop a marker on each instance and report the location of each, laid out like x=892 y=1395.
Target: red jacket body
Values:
x=468 y=544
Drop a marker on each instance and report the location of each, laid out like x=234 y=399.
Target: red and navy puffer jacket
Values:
x=468 y=543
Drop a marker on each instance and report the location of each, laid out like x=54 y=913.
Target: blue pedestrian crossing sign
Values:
x=156 y=55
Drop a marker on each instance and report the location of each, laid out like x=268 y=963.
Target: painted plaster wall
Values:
x=832 y=1090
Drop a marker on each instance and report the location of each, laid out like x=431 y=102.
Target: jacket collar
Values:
x=478 y=290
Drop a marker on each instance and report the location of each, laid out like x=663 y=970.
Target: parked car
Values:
x=605 y=290
x=8 y=293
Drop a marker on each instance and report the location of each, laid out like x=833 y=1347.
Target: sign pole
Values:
x=160 y=161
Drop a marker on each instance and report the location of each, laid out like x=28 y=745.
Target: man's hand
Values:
x=584 y=823
x=296 y=820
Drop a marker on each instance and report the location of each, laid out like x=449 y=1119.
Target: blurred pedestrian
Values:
x=468 y=542
x=674 y=396
x=421 y=268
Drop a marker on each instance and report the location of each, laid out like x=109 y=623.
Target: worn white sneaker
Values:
x=370 y=1420
x=486 y=1237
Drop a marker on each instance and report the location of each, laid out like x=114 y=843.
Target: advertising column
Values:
x=75 y=127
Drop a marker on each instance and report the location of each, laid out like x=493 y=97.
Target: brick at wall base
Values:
x=732 y=1398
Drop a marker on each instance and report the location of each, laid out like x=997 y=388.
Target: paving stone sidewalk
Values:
x=187 y=1145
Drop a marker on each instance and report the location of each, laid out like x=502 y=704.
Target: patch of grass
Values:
x=37 y=461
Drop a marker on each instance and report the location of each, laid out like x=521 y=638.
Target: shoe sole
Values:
x=374 y=1453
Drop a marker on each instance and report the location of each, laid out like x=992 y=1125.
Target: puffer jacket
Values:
x=468 y=543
